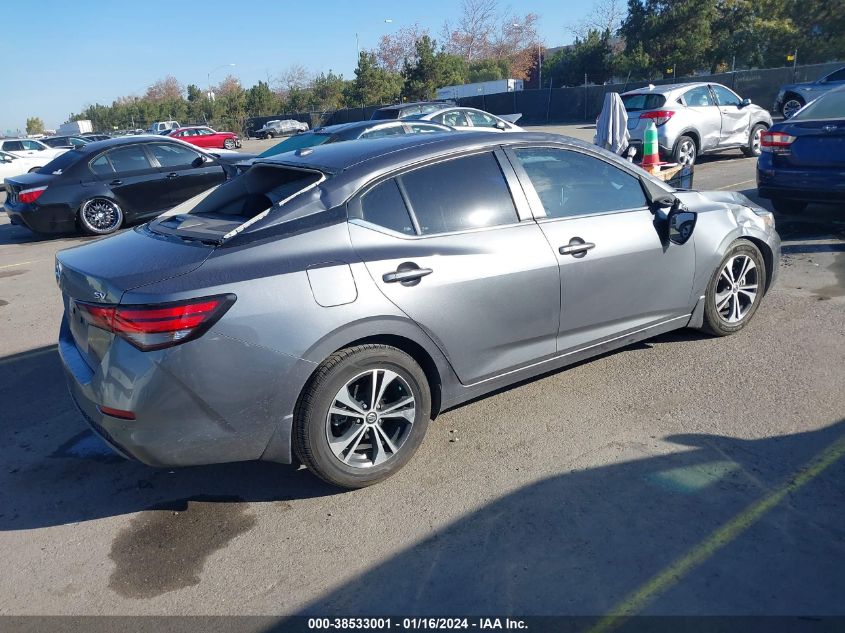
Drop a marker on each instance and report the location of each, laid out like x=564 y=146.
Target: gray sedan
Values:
x=694 y=119
x=330 y=302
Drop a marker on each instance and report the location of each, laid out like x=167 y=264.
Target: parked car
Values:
x=203 y=136
x=12 y=165
x=65 y=142
x=471 y=119
x=327 y=304
x=96 y=137
x=30 y=147
x=283 y=127
x=351 y=132
x=103 y=185
x=694 y=119
x=157 y=127
x=402 y=110
x=803 y=157
x=793 y=97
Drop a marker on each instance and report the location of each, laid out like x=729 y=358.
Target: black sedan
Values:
x=103 y=185
x=65 y=141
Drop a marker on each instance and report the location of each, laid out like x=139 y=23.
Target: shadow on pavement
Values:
x=583 y=542
x=54 y=470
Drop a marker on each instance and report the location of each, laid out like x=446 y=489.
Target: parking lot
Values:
x=686 y=474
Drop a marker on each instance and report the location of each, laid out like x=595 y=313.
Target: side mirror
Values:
x=500 y=125
x=681 y=223
x=745 y=102
x=199 y=161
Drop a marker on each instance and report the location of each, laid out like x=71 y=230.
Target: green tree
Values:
x=260 y=100
x=372 y=84
x=34 y=125
x=488 y=70
x=431 y=70
x=327 y=92
x=592 y=56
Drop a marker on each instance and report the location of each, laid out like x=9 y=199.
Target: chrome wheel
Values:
x=100 y=216
x=791 y=107
x=370 y=418
x=686 y=152
x=736 y=289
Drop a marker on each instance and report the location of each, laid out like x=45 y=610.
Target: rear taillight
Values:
x=150 y=327
x=776 y=142
x=28 y=196
x=658 y=116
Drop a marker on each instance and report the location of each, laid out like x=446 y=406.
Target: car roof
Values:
x=95 y=146
x=337 y=157
x=399 y=106
x=666 y=89
x=357 y=125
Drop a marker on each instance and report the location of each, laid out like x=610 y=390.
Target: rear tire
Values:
x=754 y=137
x=270 y=136
x=787 y=207
x=686 y=151
x=369 y=443
x=735 y=289
x=100 y=216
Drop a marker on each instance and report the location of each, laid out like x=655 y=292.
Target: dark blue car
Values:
x=803 y=158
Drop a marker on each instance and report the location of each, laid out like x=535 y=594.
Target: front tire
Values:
x=685 y=152
x=754 y=138
x=100 y=216
x=270 y=136
x=362 y=415
x=229 y=144
x=791 y=105
x=735 y=290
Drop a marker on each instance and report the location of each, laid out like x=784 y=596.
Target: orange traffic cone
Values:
x=651 y=160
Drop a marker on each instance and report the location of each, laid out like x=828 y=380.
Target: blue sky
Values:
x=62 y=55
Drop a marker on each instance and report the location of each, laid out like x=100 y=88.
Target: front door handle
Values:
x=408 y=274
x=116 y=183
x=576 y=247
x=172 y=174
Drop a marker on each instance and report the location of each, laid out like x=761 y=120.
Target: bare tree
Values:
x=474 y=31
x=294 y=77
x=517 y=40
x=231 y=85
x=167 y=89
x=394 y=49
x=606 y=15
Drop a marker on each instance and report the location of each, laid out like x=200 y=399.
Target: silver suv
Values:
x=694 y=119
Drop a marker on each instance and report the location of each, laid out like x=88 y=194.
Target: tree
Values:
x=591 y=56
x=327 y=92
x=471 y=38
x=606 y=15
x=34 y=125
x=394 y=49
x=489 y=70
x=167 y=89
x=261 y=100
x=372 y=84
x=422 y=77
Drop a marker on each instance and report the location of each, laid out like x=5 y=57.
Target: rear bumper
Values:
x=38 y=219
x=810 y=185
x=196 y=403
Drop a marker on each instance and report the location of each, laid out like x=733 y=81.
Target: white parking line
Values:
x=736 y=184
x=21 y=263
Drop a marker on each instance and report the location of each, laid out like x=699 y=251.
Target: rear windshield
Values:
x=643 y=101
x=61 y=163
x=296 y=142
x=828 y=106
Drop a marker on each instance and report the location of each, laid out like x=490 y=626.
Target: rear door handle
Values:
x=172 y=174
x=406 y=275
x=115 y=183
x=576 y=247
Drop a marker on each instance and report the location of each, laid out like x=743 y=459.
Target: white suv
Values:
x=29 y=147
x=163 y=126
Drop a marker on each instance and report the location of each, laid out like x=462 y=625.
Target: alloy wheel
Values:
x=370 y=418
x=686 y=152
x=737 y=288
x=791 y=107
x=100 y=216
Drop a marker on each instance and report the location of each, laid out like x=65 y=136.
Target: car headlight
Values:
x=767 y=217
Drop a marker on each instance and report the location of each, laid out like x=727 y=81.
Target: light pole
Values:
x=208 y=78
x=539 y=59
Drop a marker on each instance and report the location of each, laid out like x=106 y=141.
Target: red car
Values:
x=206 y=137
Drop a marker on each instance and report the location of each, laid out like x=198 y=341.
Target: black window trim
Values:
x=533 y=197
x=354 y=203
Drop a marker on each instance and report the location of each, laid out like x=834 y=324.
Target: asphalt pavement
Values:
x=682 y=475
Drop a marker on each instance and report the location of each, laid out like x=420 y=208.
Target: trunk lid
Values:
x=818 y=143
x=102 y=271
x=23 y=182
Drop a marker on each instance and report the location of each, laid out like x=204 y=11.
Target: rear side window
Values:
x=61 y=163
x=643 y=101
x=422 y=128
x=459 y=194
x=101 y=166
x=383 y=205
x=130 y=158
x=171 y=155
x=698 y=97
x=393 y=130
x=454 y=118
x=13 y=146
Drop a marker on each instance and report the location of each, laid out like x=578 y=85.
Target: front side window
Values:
x=572 y=184
x=725 y=97
x=460 y=194
x=422 y=128
x=127 y=159
x=481 y=119
x=170 y=155
x=383 y=205
x=393 y=130
x=204 y=132
x=38 y=147
x=698 y=97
